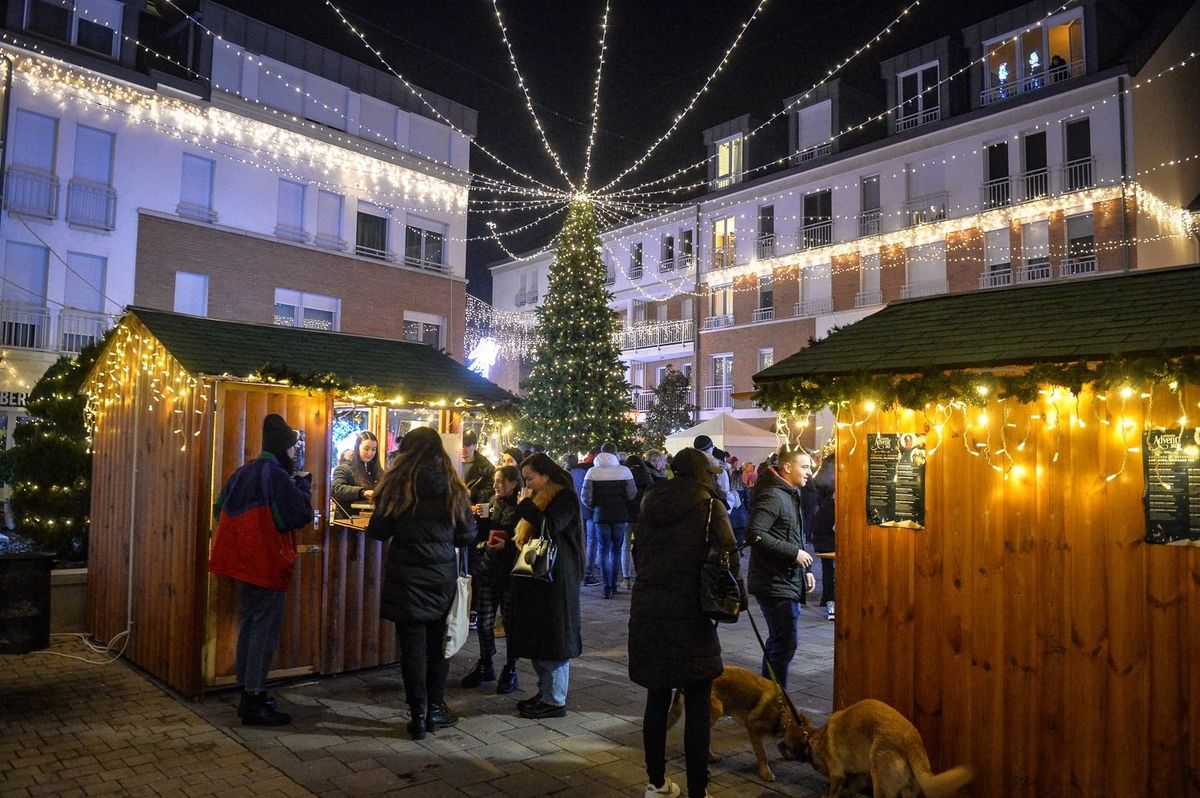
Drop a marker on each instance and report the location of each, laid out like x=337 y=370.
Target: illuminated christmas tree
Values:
x=671 y=411
x=577 y=395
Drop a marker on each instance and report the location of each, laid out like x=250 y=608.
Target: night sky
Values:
x=658 y=54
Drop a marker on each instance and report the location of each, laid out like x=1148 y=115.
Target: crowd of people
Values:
x=623 y=522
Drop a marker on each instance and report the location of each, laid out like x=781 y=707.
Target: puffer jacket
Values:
x=776 y=535
x=421 y=568
x=672 y=643
x=608 y=487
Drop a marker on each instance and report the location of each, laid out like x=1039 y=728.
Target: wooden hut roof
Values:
x=1138 y=313
x=417 y=372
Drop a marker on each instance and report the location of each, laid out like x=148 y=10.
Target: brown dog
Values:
x=753 y=702
x=870 y=740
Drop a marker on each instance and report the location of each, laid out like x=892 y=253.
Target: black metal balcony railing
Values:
x=31 y=192
x=91 y=204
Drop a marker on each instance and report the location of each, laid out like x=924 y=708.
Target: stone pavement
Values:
x=67 y=728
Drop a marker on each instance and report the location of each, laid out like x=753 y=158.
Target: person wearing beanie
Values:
x=257 y=513
x=703 y=443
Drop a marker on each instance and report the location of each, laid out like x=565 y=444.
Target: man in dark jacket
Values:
x=579 y=469
x=780 y=575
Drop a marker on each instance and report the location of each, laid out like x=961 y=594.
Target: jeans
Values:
x=422 y=665
x=593 y=547
x=612 y=540
x=553 y=677
x=696 y=734
x=781 y=615
x=258 y=634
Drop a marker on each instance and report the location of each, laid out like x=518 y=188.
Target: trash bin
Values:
x=24 y=602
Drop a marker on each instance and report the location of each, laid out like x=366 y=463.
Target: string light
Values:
x=587 y=158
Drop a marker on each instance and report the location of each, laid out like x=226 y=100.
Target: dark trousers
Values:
x=258 y=634
x=696 y=734
x=781 y=615
x=828 y=580
x=422 y=665
x=493 y=594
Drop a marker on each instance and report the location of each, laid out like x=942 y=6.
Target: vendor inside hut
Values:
x=354 y=481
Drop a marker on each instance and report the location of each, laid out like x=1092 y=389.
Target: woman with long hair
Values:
x=355 y=480
x=544 y=625
x=422 y=507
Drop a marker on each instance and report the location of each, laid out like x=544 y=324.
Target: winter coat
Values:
x=608 y=487
x=776 y=536
x=256 y=513
x=642 y=480
x=497 y=564
x=578 y=473
x=346 y=491
x=478 y=477
x=545 y=615
x=421 y=568
x=672 y=643
x=821 y=490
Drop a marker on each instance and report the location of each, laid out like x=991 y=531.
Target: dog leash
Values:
x=781 y=693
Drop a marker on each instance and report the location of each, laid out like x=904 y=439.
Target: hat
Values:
x=694 y=462
x=277 y=436
x=733 y=461
x=703 y=443
x=470 y=438
x=720 y=454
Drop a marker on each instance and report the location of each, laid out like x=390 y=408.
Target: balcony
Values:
x=642 y=400
x=79 y=329
x=817 y=235
x=923 y=288
x=531 y=298
x=814 y=152
x=520 y=299
x=610 y=278
x=289 y=233
x=635 y=272
x=763 y=314
x=918 y=119
x=425 y=264
x=1035 y=270
x=24 y=326
x=685 y=263
x=91 y=204
x=1077 y=266
x=648 y=335
x=32 y=327
x=764 y=247
x=202 y=213
x=869 y=223
x=923 y=210
x=31 y=192
x=1034 y=82
x=1035 y=184
x=666 y=265
x=1078 y=175
x=996 y=193
x=371 y=252
x=717 y=397
x=996 y=278
x=808 y=308
x=717 y=322
x=327 y=241
x=722 y=259
x=865 y=299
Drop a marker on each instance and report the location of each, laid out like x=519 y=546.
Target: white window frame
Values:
x=427 y=318
x=732 y=150
x=196 y=280
x=301 y=301
x=766 y=354
x=422 y=261
x=923 y=97
x=1020 y=81
x=201 y=211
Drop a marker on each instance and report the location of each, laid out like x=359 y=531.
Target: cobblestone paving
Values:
x=72 y=729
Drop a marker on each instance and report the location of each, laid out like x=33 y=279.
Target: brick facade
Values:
x=244 y=271
x=964 y=259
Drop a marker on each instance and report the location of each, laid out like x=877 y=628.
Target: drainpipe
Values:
x=1125 y=254
x=8 y=70
x=696 y=369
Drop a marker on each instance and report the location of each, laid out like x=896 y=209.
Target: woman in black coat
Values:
x=545 y=626
x=424 y=510
x=672 y=643
x=355 y=481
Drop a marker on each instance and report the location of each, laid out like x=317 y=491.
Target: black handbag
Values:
x=536 y=557
x=722 y=595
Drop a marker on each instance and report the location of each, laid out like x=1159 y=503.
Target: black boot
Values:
x=508 y=679
x=255 y=712
x=242 y=702
x=439 y=717
x=416 y=726
x=482 y=672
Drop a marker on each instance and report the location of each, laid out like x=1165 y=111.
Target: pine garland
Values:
x=577 y=395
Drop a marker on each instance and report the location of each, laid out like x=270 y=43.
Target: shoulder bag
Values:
x=722 y=596
x=535 y=559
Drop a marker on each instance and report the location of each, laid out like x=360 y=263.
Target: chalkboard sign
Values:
x=896 y=480
x=1172 y=498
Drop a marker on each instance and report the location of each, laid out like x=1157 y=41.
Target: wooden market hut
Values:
x=1043 y=625
x=176 y=403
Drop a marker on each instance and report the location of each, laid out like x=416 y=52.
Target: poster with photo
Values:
x=1172 y=495
x=896 y=480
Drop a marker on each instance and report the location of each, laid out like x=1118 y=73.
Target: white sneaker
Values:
x=669 y=788
x=829 y=610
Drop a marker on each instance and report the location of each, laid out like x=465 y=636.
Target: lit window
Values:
x=425 y=246
x=310 y=311
x=729 y=161
x=423 y=328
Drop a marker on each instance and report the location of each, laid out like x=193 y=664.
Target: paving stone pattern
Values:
x=68 y=729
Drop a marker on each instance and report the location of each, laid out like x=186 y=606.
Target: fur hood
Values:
x=607 y=467
x=541 y=500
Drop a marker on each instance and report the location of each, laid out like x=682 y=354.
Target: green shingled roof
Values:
x=1093 y=319
x=417 y=372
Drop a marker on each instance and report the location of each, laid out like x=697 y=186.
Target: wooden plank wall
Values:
x=1028 y=630
x=149 y=450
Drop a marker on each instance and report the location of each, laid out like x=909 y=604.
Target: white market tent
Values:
x=733 y=435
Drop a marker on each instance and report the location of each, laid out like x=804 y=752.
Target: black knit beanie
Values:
x=277 y=436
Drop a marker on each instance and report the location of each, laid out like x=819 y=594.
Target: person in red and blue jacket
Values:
x=262 y=504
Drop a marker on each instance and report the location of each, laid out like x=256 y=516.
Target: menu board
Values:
x=1172 y=498
x=896 y=480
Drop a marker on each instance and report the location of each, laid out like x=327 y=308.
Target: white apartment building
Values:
x=1029 y=148
x=225 y=168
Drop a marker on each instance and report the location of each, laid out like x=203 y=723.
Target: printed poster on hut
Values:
x=896 y=480
x=1172 y=497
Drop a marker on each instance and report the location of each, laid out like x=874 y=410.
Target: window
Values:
x=371 y=234
x=1081 y=241
x=23 y=291
x=424 y=248
x=290 y=223
x=816 y=290
x=666 y=259
x=1035 y=178
x=84 y=287
x=532 y=295
x=49 y=18
x=919 y=102
x=868 y=193
x=766 y=231
x=1017 y=62
x=310 y=311
x=98 y=26
x=195 y=189
x=91 y=201
x=423 y=328
x=766 y=358
x=818 y=219
x=635 y=261
x=997 y=259
x=766 y=291
x=724 y=241
x=926 y=270
x=729 y=161
x=30 y=187
x=1077 y=170
x=722 y=369
x=191 y=293
x=720 y=301
x=329 y=220
x=685 y=248
x=813 y=128
x=685 y=308
x=868 y=281
x=996 y=186
x=1035 y=250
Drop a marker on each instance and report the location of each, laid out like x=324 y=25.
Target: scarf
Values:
x=541 y=500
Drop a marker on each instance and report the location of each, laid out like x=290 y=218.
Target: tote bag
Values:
x=458 y=622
